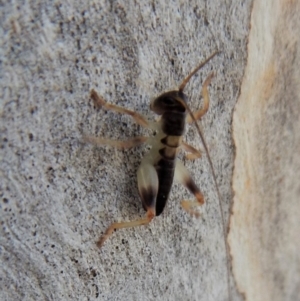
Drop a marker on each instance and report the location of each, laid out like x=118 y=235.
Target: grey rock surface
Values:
x=59 y=195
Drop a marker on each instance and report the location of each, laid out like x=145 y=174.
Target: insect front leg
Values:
x=148 y=188
x=183 y=176
x=198 y=114
x=100 y=102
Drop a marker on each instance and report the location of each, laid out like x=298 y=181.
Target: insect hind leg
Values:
x=183 y=176
x=148 y=188
x=147 y=184
x=144 y=221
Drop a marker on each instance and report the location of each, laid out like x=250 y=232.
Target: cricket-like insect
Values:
x=160 y=166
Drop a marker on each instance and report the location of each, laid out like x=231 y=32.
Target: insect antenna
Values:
x=187 y=79
x=181 y=88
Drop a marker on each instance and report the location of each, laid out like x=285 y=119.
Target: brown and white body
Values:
x=160 y=166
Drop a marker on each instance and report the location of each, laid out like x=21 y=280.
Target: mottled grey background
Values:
x=59 y=195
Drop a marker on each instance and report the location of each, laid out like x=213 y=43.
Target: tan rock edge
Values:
x=264 y=228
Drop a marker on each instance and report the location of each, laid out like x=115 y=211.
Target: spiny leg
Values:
x=194 y=153
x=115 y=143
x=198 y=114
x=100 y=102
x=182 y=176
x=115 y=226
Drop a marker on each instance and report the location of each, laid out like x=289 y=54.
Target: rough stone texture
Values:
x=59 y=195
x=264 y=236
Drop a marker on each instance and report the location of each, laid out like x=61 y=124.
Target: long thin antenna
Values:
x=181 y=88
x=186 y=80
x=219 y=197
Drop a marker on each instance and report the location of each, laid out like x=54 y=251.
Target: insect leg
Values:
x=115 y=226
x=194 y=153
x=147 y=184
x=183 y=176
x=148 y=187
x=97 y=141
x=100 y=102
x=198 y=114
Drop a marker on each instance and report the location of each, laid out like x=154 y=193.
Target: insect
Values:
x=160 y=166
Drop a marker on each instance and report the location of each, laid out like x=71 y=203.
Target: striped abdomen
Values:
x=172 y=126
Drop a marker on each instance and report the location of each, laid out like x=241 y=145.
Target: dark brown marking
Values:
x=165 y=164
x=165 y=172
x=148 y=197
x=172 y=101
x=173 y=123
x=192 y=187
